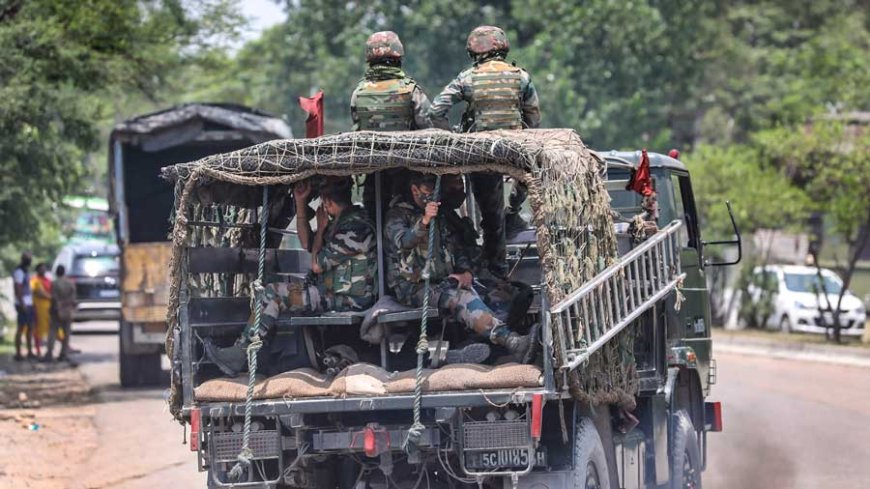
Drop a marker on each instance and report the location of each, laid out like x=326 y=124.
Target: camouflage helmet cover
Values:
x=384 y=44
x=486 y=39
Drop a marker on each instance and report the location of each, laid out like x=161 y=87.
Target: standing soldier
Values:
x=386 y=99
x=499 y=95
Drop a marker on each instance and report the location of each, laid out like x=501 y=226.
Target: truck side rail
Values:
x=596 y=312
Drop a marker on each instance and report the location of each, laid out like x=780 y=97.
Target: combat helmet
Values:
x=384 y=44
x=487 y=39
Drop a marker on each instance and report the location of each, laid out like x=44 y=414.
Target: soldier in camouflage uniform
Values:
x=509 y=300
x=499 y=95
x=407 y=241
x=386 y=99
x=344 y=266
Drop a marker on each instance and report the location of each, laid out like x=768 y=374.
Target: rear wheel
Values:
x=785 y=324
x=685 y=454
x=590 y=464
x=136 y=369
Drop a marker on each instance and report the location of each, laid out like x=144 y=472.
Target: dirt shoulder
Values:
x=46 y=423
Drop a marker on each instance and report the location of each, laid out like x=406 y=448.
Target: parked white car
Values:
x=798 y=293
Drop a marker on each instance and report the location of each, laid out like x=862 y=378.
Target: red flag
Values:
x=641 y=181
x=314 y=107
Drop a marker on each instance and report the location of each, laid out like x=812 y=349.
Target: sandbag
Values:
x=303 y=382
x=360 y=380
x=228 y=390
x=367 y=380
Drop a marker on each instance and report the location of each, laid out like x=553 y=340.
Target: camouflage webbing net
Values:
x=570 y=204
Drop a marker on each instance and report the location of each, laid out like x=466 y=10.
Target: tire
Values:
x=137 y=370
x=785 y=324
x=685 y=454
x=590 y=463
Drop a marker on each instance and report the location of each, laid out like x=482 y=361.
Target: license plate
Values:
x=107 y=293
x=510 y=458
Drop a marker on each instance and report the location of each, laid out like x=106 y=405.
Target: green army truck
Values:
x=614 y=396
x=140 y=203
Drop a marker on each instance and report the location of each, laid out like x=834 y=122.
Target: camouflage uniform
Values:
x=407 y=242
x=497 y=293
x=498 y=95
x=386 y=99
x=349 y=272
x=518 y=104
x=346 y=283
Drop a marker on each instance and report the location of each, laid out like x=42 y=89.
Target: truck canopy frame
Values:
x=575 y=235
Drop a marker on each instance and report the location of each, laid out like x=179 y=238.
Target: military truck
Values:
x=615 y=396
x=141 y=202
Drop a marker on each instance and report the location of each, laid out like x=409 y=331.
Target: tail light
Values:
x=195 y=424
x=376 y=440
x=713 y=416
x=370 y=443
x=537 y=415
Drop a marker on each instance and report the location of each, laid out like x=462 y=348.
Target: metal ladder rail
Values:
x=604 y=306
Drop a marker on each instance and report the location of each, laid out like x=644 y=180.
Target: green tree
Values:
x=762 y=197
x=60 y=61
x=777 y=62
x=832 y=161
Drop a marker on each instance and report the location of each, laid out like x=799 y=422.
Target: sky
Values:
x=263 y=14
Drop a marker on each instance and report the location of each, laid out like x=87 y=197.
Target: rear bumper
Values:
x=384 y=403
x=90 y=310
x=808 y=321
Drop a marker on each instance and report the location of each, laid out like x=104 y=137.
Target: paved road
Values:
x=790 y=425
x=138 y=443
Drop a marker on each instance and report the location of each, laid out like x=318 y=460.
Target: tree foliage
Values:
x=60 y=63
x=832 y=161
x=724 y=81
x=762 y=197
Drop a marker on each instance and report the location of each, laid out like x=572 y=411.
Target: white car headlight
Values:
x=801 y=305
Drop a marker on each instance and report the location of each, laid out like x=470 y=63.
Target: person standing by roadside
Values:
x=63 y=304
x=40 y=285
x=23 y=305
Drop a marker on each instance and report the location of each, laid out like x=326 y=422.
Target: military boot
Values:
x=514 y=224
x=517 y=345
x=231 y=359
x=473 y=353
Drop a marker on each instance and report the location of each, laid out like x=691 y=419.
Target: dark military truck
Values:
x=141 y=203
x=615 y=396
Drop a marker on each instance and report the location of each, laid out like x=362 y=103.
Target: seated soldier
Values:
x=509 y=300
x=407 y=240
x=343 y=262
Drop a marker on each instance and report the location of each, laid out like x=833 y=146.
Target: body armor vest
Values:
x=385 y=105
x=496 y=96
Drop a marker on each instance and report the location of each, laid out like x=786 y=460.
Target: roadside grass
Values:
x=809 y=338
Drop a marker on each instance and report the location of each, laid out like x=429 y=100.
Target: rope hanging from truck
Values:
x=245 y=456
x=416 y=431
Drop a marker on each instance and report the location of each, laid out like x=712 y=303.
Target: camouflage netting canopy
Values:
x=570 y=204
